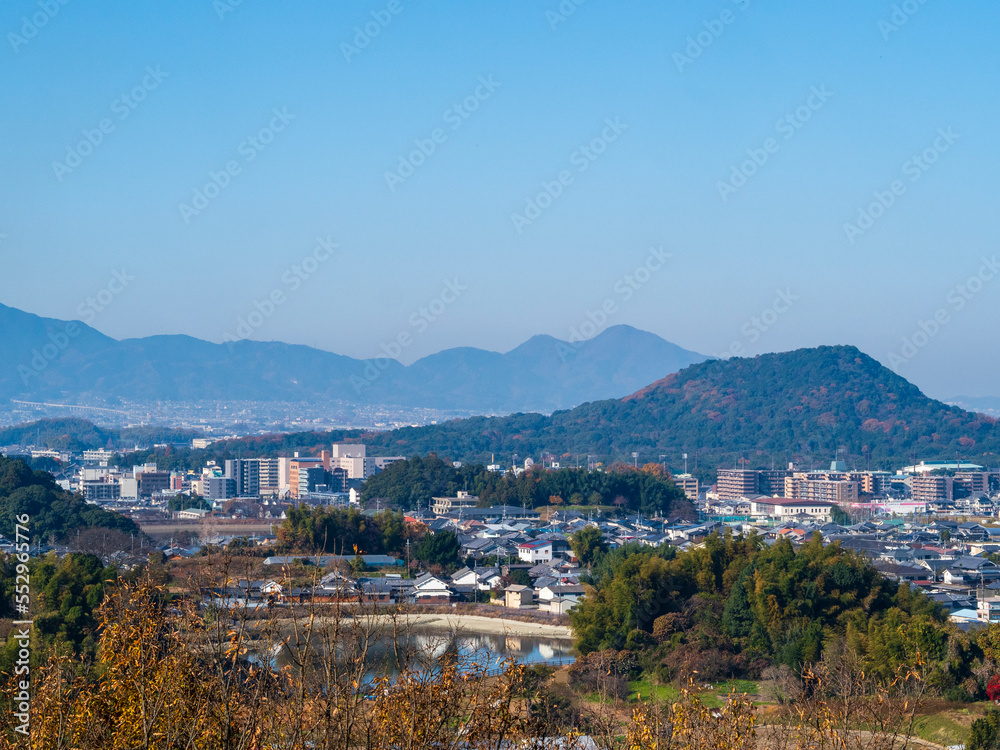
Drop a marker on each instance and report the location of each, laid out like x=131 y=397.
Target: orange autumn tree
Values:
x=148 y=689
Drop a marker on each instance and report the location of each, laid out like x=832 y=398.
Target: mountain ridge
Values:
x=51 y=359
x=807 y=405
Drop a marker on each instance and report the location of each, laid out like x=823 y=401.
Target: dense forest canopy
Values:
x=54 y=513
x=410 y=484
x=735 y=605
x=74 y=434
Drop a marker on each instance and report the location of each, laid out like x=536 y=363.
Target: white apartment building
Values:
x=988 y=609
x=354 y=459
x=785 y=509
x=99 y=456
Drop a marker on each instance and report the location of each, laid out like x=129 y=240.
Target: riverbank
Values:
x=479 y=625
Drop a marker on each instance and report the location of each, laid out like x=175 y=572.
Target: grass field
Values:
x=715 y=697
x=946 y=724
x=949 y=724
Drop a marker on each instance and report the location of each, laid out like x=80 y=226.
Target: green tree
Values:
x=985 y=733
x=734 y=595
x=341 y=530
x=588 y=544
x=439 y=549
x=737 y=619
x=53 y=511
x=66 y=593
x=520 y=577
x=183 y=502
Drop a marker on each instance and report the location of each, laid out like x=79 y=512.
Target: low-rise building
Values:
x=429 y=589
x=784 y=509
x=687 y=483
x=195 y=514
x=444 y=505
x=517 y=596
x=535 y=552
x=988 y=609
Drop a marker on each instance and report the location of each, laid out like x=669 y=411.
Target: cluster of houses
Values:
x=555 y=590
x=512 y=556
x=516 y=558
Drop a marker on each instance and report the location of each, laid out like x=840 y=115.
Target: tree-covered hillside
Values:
x=412 y=483
x=74 y=434
x=803 y=405
x=52 y=511
x=735 y=606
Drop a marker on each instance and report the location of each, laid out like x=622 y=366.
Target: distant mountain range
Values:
x=45 y=359
x=807 y=406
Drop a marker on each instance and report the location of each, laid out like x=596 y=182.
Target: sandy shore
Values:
x=485 y=625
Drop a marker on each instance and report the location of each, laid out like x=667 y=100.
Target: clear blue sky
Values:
x=553 y=84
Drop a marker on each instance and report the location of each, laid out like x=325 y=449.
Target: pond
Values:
x=423 y=649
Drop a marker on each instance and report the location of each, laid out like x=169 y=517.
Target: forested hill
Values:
x=52 y=512
x=805 y=404
x=75 y=434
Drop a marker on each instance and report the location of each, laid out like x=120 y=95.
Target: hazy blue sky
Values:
x=848 y=93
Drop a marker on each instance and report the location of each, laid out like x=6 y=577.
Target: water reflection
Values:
x=424 y=649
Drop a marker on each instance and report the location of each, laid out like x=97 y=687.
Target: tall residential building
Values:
x=220 y=488
x=298 y=474
x=828 y=491
x=877 y=483
x=269 y=475
x=823 y=486
x=972 y=482
x=736 y=483
x=255 y=476
x=772 y=481
x=245 y=472
x=928 y=488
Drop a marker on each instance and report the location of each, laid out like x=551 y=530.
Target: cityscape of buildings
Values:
x=222 y=418
x=908 y=522
x=333 y=477
x=941 y=487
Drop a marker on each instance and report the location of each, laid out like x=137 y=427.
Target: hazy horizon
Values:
x=726 y=175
